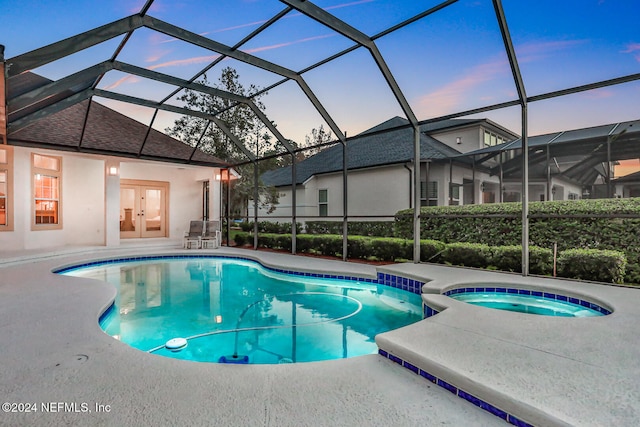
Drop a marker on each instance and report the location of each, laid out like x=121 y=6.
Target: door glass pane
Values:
x=153 y=211
x=127 y=209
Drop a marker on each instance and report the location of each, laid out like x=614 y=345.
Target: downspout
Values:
x=416 y=191
x=410 y=185
x=450 y=182
x=345 y=200
x=549 y=191
x=293 y=203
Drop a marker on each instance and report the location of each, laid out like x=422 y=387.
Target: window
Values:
x=455 y=194
x=47 y=174
x=323 y=204
x=491 y=139
x=429 y=193
x=6 y=189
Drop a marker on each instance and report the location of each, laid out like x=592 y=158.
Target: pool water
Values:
x=526 y=304
x=229 y=307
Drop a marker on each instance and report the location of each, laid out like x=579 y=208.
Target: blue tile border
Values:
x=385 y=279
x=548 y=295
x=510 y=418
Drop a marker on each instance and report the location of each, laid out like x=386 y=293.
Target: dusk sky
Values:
x=450 y=61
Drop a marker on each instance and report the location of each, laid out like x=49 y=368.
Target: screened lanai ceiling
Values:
x=532 y=67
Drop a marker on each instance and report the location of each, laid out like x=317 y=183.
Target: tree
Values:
x=318 y=140
x=242 y=123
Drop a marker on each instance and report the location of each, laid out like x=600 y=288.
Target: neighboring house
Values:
x=462 y=161
x=88 y=175
x=627 y=186
x=380 y=163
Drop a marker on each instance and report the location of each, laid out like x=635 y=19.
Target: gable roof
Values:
x=390 y=142
x=106 y=131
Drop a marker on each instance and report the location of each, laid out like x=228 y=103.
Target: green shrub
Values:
x=509 y=258
x=430 y=250
x=592 y=264
x=390 y=248
x=241 y=238
x=467 y=254
x=540 y=260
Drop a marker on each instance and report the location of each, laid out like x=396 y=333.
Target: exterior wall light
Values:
x=112 y=171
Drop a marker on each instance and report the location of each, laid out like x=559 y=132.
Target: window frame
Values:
x=35 y=171
x=324 y=204
x=7 y=166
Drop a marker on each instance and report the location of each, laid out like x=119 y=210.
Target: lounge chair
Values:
x=212 y=237
x=194 y=235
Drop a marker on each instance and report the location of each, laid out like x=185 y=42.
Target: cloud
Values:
x=285 y=44
x=450 y=96
x=632 y=47
x=256 y=23
x=534 y=51
x=188 y=61
x=353 y=3
x=601 y=93
x=156 y=56
x=125 y=79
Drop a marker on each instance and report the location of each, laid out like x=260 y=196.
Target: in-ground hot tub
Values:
x=546 y=303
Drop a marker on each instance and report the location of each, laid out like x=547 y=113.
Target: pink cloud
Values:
x=156 y=56
x=123 y=80
x=188 y=61
x=354 y=3
x=450 y=96
x=279 y=45
x=632 y=47
x=598 y=94
x=530 y=52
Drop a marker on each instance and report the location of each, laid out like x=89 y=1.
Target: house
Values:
x=462 y=161
x=627 y=186
x=88 y=175
x=380 y=163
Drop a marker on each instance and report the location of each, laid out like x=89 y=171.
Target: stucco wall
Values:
x=84 y=199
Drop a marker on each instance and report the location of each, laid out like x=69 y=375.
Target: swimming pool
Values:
x=527 y=301
x=236 y=310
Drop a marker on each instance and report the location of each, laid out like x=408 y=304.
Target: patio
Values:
x=62 y=355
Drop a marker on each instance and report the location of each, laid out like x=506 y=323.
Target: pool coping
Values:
x=459 y=329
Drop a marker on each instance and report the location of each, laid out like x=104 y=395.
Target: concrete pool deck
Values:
x=547 y=371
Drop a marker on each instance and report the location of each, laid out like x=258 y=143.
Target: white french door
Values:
x=143 y=209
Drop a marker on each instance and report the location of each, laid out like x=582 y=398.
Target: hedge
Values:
x=597 y=265
x=591 y=264
x=270 y=227
x=358 y=247
x=575 y=224
x=354 y=228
